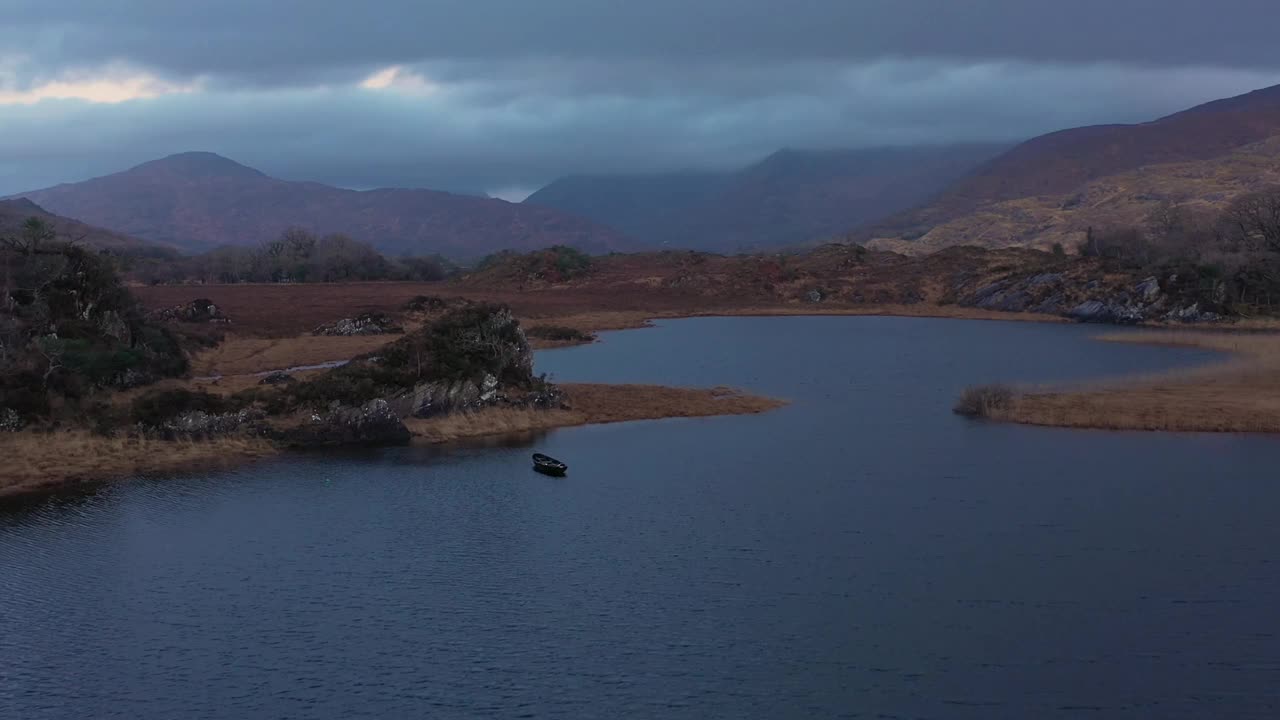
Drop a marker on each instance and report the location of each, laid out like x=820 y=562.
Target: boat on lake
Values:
x=548 y=465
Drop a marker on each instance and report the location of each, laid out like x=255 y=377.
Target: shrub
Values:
x=559 y=333
x=985 y=401
x=156 y=406
x=425 y=303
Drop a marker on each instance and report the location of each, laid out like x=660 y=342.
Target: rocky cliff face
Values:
x=1103 y=299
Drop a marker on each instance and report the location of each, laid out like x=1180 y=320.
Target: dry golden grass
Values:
x=594 y=404
x=1241 y=394
x=242 y=356
x=38 y=462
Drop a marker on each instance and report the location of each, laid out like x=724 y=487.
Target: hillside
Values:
x=1123 y=200
x=1099 y=173
x=791 y=197
x=200 y=200
x=15 y=212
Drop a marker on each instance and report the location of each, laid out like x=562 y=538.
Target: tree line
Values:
x=1228 y=258
x=297 y=255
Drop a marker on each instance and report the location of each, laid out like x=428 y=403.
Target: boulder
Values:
x=1148 y=290
x=1090 y=311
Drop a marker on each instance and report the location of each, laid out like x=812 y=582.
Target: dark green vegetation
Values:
x=559 y=333
x=296 y=256
x=554 y=264
x=69 y=329
x=464 y=345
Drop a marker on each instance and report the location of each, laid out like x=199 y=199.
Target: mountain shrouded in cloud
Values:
x=200 y=200
x=487 y=96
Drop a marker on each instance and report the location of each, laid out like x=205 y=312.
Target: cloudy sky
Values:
x=504 y=95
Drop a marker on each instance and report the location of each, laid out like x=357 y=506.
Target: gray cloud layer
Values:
x=522 y=91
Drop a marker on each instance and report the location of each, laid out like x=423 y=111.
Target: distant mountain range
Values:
x=1051 y=188
x=913 y=199
x=789 y=198
x=200 y=200
x=13 y=213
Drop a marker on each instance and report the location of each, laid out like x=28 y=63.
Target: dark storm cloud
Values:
x=284 y=37
x=512 y=93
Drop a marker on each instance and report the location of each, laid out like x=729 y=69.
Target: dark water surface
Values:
x=859 y=553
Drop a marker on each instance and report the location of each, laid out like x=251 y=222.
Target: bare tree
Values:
x=1256 y=218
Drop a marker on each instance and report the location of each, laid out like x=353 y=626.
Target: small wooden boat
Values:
x=548 y=465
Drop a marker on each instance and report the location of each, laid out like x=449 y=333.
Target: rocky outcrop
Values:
x=1098 y=299
x=366 y=324
x=374 y=424
x=441 y=398
x=200 y=310
x=201 y=424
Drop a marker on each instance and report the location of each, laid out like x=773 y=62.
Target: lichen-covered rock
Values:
x=366 y=324
x=373 y=424
x=200 y=310
x=10 y=420
x=200 y=424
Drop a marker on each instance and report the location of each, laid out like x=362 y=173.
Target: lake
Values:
x=862 y=552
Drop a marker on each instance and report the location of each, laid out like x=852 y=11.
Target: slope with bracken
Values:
x=789 y=198
x=1049 y=189
x=200 y=200
x=1118 y=201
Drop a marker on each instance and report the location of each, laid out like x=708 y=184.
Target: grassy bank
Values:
x=40 y=463
x=1239 y=394
x=37 y=463
x=591 y=404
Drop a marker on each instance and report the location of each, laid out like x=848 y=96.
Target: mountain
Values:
x=647 y=206
x=790 y=197
x=13 y=213
x=199 y=200
x=1055 y=185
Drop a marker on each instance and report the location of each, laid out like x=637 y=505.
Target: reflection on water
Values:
x=861 y=552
